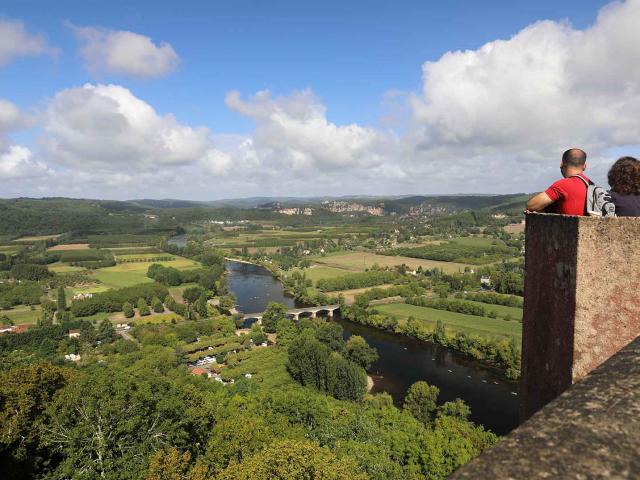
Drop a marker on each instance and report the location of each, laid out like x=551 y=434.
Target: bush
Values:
x=143 y=308
x=157 y=306
x=128 y=311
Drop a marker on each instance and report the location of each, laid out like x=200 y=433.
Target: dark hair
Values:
x=574 y=157
x=624 y=176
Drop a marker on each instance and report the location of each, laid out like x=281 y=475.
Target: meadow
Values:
x=454 y=322
x=23 y=314
x=501 y=310
x=359 y=261
x=128 y=274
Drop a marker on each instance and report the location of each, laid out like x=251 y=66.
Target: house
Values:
x=74 y=333
x=485 y=281
x=82 y=296
x=200 y=371
x=72 y=357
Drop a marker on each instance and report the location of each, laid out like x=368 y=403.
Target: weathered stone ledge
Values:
x=591 y=431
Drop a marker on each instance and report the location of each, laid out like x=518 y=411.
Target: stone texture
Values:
x=592 y=431
x=582 y=300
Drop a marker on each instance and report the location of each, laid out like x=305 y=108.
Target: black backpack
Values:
x=599 y=202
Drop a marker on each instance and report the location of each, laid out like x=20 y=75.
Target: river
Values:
x=403 y=360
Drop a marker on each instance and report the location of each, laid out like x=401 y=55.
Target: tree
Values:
x=358 y=351
x=235 y=438
x=25 y=393
x=294 y=460
x=457 y=408
x=192 y=294
x=286 y=331
x=106 y=333
x=201 y=306
x=143 y=308
x=171 y=464
x=5 y=320
x=331 y=335
x=108 y=421
x=62 y=300
x=346 y=380
x=275 y=311
x=420 y=401
x=128 y=311
x=157 y=305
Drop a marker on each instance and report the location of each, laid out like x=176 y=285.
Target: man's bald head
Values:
x=574 y=157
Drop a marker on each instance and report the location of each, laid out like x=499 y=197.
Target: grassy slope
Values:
x=454 y=321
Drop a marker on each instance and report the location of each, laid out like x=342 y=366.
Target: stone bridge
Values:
x=294 y=313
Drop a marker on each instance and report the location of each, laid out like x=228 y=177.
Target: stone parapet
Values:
x=591 y=431
x=582 y=300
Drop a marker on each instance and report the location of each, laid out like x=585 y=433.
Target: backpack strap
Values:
x=586 y=184
x=583 y=180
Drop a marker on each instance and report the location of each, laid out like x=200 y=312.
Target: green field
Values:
x=60 y=267
x=453 y=321
x=318 y=272
x=22 y=314
x=127 y=274
x=359 y=261
x=501 y=310
x=476 y=241
x=176 y=292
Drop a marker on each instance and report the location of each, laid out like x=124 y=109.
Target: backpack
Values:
x=599 y=202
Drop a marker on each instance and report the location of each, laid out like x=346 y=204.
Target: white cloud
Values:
x=516 y=104
x=17 y=162
x=122 y=52
x=107 y=128
x=293 y=136
x=15 y=42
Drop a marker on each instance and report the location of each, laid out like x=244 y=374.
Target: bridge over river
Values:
x=294 y=313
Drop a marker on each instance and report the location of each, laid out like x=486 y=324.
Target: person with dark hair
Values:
x=624 y=179
x=568 y=195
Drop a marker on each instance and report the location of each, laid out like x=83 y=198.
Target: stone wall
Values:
x=582 y=300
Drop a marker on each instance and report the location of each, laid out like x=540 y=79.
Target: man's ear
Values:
x=584 y=167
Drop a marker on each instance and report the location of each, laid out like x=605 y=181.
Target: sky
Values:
x=223 y=99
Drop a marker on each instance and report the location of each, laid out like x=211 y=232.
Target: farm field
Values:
x=317 y=272
x=501 y=310
x=350 y=295
x=34 y=239
x=97 y=288
x=128 y=274
x=514 y=228
x=60 y=267
x=69 y=246
x=476 y=241
x=455 y=322
x=359 y=261
x=23 y=314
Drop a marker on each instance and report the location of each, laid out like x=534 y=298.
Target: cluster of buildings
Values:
x=339 y=206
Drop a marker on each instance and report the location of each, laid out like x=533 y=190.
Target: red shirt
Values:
x=569 y=196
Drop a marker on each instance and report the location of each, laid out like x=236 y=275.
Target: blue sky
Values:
x=353 y=56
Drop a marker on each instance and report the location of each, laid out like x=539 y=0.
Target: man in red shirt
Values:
x=568 y=195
